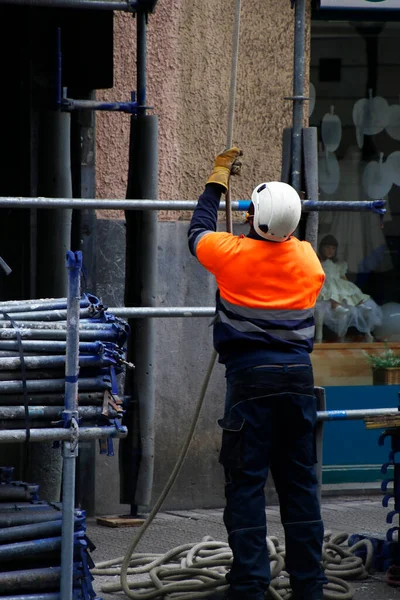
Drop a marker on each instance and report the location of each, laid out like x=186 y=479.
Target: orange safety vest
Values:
x=267 y=293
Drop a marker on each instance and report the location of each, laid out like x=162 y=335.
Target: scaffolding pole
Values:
x=298 y=91
x=10 y=436
x=70 y=418
x=377 y=206
x=356 y=414
x=120 y=5
x=140 y=312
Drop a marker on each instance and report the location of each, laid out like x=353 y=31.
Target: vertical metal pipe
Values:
x=298 y=91
x=232 y=98
x=54 y=226
x=137 y=453
x=310 y=146
x=146 y=339
x=85 y=235
x=53 y=240
x=141 y=75
x=319 y=433
x=233 y=80
x=140 y=290
x=70 y=415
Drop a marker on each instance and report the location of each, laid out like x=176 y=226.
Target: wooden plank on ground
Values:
x=122 y=521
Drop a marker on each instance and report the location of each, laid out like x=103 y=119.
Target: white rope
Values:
x=126 y=560
x=194 y=571
x=232 y=102
x=234 y=68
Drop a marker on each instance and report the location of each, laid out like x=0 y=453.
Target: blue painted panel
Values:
x=349 y=442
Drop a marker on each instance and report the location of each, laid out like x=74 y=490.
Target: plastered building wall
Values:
x=189 y=65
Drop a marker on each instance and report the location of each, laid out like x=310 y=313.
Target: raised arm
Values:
x=205 y=215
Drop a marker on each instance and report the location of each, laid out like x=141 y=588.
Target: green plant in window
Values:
x=386 y=359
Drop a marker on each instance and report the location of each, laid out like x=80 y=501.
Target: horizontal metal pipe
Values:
x=30 y=301
x=21 y=517
x=30 y=375
x=62 y=325
x=45 y=315
x=8 y=353
x=44 y=304
x=237 y=205
x=50 y=346
x=20 y=533
x=57 y=433
x=29 y=549
x=52 y=413
x=39 y=596
x=10 y=363
x=87 y=335
x=39 y=375
x=40 y=506
x=35 y=507
x=86 y=384
x=353 y=415
x=51 y=399
x=11 y=493
x=30 y=580
x=120 y=5
x=164 y=311
x=69 y=104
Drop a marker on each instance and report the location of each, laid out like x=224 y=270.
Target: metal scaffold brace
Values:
x=119 y=5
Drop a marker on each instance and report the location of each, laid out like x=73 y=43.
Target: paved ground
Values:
x=171 y=529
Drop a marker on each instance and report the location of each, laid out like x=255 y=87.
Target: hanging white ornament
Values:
x=370 y=114
x=311 y=102
x=377 y=178
x=331 y=130
x=393 y=160
x=360 y=137
x=393 y=124
x=328 y=172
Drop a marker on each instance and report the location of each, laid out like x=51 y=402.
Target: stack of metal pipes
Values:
x=30 y=545
x=32 y=363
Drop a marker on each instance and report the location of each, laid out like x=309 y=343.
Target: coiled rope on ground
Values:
x=193 y=571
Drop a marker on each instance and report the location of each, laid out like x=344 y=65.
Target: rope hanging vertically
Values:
x=232 y=102
x=231 y=114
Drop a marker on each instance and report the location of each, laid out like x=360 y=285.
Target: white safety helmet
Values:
x=277 y=210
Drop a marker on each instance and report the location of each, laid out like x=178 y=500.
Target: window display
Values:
x=356 y=108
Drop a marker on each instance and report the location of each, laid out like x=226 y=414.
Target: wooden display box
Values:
x=388 y=376
x=338 y=364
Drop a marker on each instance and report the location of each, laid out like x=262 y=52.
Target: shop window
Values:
x=355 y=91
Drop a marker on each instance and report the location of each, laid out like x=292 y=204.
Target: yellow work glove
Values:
x=226 y=163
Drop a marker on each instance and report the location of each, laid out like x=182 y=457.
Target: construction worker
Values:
x=268 y=283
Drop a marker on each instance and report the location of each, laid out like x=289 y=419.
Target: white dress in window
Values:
x=338 y=289
x=362 y=312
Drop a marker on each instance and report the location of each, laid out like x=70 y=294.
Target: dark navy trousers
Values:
x=269 y=423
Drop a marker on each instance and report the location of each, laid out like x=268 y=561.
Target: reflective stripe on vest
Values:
x=267 y=314
x=290 y=325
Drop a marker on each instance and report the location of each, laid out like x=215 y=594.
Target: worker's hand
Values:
x=226 y=163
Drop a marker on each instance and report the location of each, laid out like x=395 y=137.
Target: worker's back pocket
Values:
x=232 y=448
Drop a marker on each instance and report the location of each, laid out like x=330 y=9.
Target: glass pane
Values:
x=355 y=86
